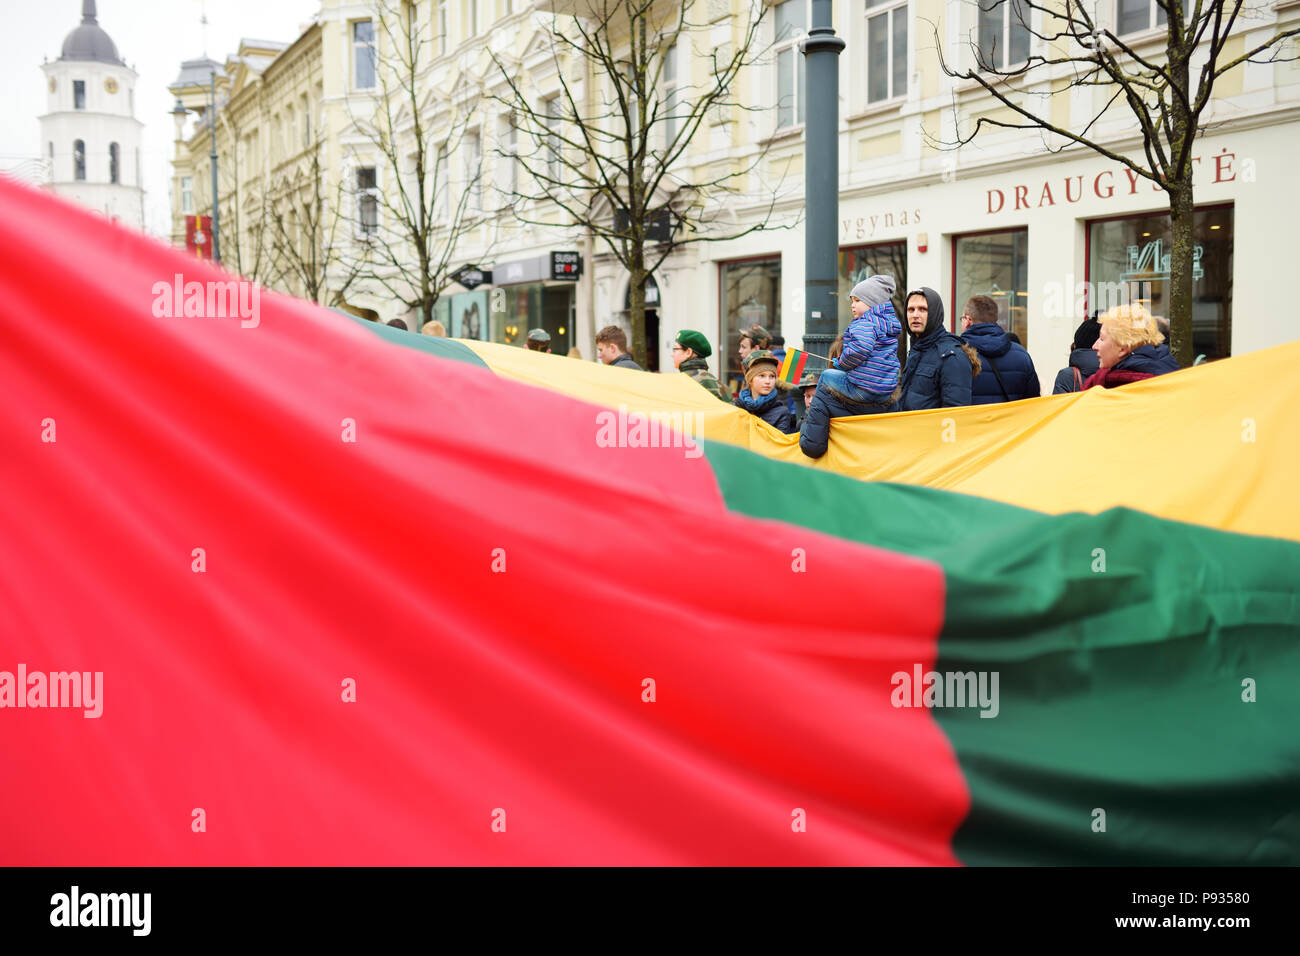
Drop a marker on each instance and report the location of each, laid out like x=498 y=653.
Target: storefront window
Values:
x=1128 y=261
x=469 y=315
x=995 y=264
x=751 y=295
x=521 y=302
x=863 y=262
x=533 y=306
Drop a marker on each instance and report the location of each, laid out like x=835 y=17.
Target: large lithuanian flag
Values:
x=340 y=594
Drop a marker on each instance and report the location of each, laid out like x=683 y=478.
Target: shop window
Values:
x=886 y=49
x=1003 y=33
x=751 y=295
x=863 y=262
x=995 y=264
x=1128 y=261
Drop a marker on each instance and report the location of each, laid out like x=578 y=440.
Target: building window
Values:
x=367 y=201
x=473 y=18
x=551 y=110
x=473 y=154
x=791 y=19
x=995 y=264
x=672 y=122
x=293 y=132
x=306 y=122
x=862 y=262
x=442 y=27
x=187 y=194
x=886 y=49
x=78 y=94
x=114 y=155
x=1134 y=16
x=79 y=160
x=751 y=295
x=508 y=178
x=1128 y=261
x=363 y=54
x=1003 y=33
x=441 y=208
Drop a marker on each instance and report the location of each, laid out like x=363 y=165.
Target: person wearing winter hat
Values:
x=807 y=386
x=690 y=349
x=939 y=365
x=867 y=370
x=1083 y=359
x=863 y=377
x=763 y=395
x=539 y=340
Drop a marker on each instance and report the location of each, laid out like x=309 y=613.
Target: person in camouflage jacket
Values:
x=689 y=353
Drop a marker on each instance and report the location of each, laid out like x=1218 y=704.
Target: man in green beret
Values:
x=689 y=352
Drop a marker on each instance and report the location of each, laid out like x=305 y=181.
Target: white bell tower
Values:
x=90 y=138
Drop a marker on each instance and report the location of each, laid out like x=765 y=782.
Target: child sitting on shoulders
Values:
x=863 y=379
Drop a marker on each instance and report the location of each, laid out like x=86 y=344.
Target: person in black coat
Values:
x=761 y=395
x=938 y=371
x=827 y=403
x=1083 y=358
x=1007 y=373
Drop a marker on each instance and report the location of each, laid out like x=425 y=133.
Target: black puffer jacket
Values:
x=826 y=404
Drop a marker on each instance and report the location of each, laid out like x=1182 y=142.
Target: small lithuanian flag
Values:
x=792 y=367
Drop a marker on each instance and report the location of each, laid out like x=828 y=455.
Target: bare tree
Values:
x=409 y=228
x=1070 y=43
x=232 y=183
x=614 y=165
x=306 y=233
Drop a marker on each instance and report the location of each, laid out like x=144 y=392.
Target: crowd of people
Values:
x=985 y=364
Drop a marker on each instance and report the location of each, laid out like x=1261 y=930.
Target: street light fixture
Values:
x=178 y=115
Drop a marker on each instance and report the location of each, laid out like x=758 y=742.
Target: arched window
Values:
x=79 y=160
x=112 y=163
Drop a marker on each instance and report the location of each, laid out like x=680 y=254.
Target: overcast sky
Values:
x=153 y=36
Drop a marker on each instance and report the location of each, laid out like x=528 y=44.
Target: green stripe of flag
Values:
x=1128 y=649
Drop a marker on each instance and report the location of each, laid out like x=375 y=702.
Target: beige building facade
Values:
x=1049 y=232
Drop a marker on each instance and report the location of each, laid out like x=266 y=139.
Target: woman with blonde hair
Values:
x=1129 y=349
x=435 y=328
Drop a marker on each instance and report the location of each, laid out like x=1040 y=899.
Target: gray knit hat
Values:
x=875 y=290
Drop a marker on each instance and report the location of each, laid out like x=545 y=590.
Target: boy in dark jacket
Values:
x=763 y=395
x=1008 y=373
x=938 y=371
x=1083 y=359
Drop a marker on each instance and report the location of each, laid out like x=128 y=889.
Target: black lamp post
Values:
x=821 y=52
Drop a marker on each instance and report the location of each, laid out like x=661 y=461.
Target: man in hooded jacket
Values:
x=938 y=370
